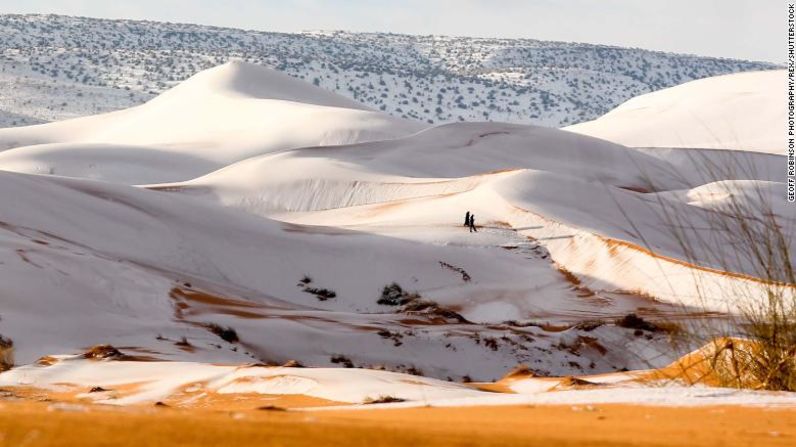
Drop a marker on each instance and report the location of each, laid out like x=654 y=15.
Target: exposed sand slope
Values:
x=43 y=424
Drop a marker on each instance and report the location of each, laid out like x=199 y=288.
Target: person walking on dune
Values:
x=467 y=219
x=472 y=224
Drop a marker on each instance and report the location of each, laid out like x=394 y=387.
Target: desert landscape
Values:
x=252 y=258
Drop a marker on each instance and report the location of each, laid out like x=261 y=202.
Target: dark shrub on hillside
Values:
x=633 y=321
x=226 y=333
x=104 y=352
x=6 y=353
x=394 y=295
x=321 y=294
x=384 y=400
x=342 y=360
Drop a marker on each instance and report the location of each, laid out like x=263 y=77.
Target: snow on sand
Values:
x=278 y=212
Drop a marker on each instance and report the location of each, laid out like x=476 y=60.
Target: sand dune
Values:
x=217 y=117
x=738 y=111
x=244 y=217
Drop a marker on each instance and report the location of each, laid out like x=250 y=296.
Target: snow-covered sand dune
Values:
x=270 y=215
x=216 y=117
x=600 y=206
x=111 y=262
x=739 y=111
x=196 y=385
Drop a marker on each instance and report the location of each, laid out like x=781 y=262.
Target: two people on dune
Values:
x=469 y=221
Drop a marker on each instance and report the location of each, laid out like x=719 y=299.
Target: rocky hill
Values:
x=55 y=67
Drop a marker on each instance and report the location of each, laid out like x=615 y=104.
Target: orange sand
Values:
x=42 y=424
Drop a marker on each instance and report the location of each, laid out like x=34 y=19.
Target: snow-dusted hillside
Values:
x=55 y=67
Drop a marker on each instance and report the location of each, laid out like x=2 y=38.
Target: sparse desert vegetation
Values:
x=411 y=302
x=394 y=295
x=321 y=293
x=384 y=400
x=227 y=334
x=6 y=353
x=756 y=346
x=432 y=79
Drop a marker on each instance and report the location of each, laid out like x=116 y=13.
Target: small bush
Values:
x=226 y=333
x=342 y=360
x=104 y=352
x=768 y=364
x=589 y=325
x=394 y=295
x=384 y=333
x=432 y=309
x=321 y=294
x=383 y=400
x=391 y=295
x=6 y=353
x=491 y=343
x=633 y=321
x=414 y=371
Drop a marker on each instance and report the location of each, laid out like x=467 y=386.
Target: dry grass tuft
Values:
x=6 y=353
x=105 y=352
x=742 y=235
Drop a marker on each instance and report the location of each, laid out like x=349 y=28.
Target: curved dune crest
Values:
x=246 y=80
x=217 y=117
x=739 y=111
